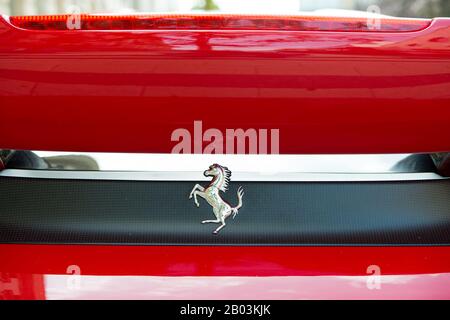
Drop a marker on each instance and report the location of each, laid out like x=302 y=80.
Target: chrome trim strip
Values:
x=237 y=176
x=266 y=164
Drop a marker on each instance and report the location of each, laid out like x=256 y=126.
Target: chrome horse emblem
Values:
x=222 y=209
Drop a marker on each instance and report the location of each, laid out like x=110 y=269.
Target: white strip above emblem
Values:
x=198 y=176
x=190 y=167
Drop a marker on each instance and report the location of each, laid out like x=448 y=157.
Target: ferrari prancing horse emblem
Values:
x=222 y=209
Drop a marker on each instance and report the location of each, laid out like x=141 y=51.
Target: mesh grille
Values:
x=146 y=212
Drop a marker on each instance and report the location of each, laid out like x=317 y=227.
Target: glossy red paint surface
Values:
x=126 y=91
x=327 y=92
x=151 y=272
x=222 y=260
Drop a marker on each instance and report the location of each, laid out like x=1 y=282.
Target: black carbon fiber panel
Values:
x=281 y=213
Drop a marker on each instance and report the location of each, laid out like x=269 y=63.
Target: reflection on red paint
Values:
x=21 y=286
x=217 y=22
x=424 y=286
x=202 y=272
x=55 y=287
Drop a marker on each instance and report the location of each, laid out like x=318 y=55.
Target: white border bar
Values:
x=333 y=163
x=236 y=176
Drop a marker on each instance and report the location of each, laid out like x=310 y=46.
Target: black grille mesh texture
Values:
x=280 y=213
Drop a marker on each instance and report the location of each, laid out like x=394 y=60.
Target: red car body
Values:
x=329 y=92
